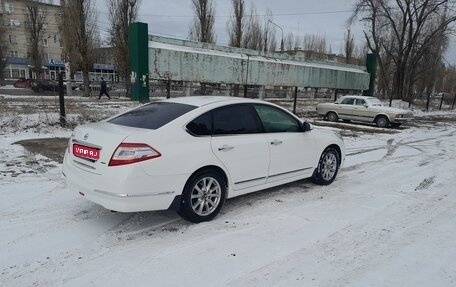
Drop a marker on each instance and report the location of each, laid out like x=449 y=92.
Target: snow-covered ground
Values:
x=388 y=220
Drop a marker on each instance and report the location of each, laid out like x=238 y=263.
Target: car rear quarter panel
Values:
x=323 y=109
x=181 y=153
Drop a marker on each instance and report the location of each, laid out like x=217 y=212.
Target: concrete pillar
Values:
x=289 y=92
x=226 y=90
x=261 y=93
x=315 y=93
x=138 y=44
x=188 y=89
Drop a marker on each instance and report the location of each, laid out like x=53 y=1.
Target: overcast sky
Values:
x=172 y=18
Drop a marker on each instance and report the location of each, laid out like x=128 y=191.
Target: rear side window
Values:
x=235 y=119
x=201 y=126
x=152 y=116
x=348 y=101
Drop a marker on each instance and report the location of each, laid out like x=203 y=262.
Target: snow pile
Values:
x=387 y=220
x=38 y=122
x=7 y=87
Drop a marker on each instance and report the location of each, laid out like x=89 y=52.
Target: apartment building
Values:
x=13 y=15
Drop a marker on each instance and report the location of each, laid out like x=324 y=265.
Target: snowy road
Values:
x=388 y=220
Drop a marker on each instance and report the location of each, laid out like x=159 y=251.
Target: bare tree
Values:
x=237 y=23
x=315 y=43
x=236 y=26
x=3 y=52
x=34 y=26
x=253 y=37
x=430 y=69
x=121 y=14
x=202 y=29
x=403 y=30
x=272 y=41
x=289 y=41
x=349 y=46
x=79 y=32
x=269 y=32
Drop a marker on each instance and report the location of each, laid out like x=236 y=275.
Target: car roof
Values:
x=200 y=101
x=357 y=97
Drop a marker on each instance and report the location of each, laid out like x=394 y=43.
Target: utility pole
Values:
x=61 y=102
x=281 y=42
x=295 y=100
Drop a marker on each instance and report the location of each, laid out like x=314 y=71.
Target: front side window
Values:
x=152 y=116
x=235 y=119
x=276 y=121
x=348 y=101
x=360 y=102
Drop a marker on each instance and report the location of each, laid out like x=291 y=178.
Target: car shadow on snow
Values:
x=141 y=225
x=131 y=226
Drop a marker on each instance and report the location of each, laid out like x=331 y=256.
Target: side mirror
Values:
x=366 y=105
x=307 y=126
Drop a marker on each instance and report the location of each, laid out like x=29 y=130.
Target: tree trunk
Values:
x=428 y=95
x=85 y=76
x=127 y=86
x=236 y=90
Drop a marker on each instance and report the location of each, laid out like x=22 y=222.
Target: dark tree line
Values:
x=121 y=14
x=408 y=38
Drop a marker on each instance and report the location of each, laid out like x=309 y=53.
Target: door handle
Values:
x=276 y=142
x=225 y=148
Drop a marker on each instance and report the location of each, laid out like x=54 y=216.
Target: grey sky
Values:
x=172 y=18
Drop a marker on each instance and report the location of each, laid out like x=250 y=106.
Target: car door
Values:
x=361 y=112
x=345 y=108
x=292 y=151
x=238 y=143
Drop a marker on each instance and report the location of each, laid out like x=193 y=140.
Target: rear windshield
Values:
x=152 y=116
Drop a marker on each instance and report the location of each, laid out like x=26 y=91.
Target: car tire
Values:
x=203 y=196
x=327 y=168
x=332 y=117
x=382 y=121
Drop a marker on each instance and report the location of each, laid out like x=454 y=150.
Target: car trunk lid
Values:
x=92 y=146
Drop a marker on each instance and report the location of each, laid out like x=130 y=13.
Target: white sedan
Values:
x=363 y=109
x=190 y=154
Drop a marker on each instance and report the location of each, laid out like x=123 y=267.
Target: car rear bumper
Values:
x=138 y=192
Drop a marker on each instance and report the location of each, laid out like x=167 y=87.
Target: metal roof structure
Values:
x=188 y=61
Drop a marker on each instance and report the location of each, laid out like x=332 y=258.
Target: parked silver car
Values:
x=363 y=109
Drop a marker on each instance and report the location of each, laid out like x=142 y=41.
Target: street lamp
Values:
x=281 y=42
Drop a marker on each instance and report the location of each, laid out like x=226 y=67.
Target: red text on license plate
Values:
x=86 y=152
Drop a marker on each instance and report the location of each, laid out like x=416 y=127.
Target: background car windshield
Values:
x=152 y=116
x=276 y=121
x=375 y=102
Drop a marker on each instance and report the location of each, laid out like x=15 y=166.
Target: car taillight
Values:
x=69 y=143
x=127 y=153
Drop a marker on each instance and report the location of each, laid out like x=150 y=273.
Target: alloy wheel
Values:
x=328 y=166
x=206 y=195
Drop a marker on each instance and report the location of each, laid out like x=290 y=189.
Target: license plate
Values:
x=86 y=152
